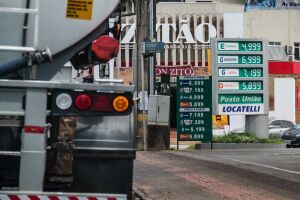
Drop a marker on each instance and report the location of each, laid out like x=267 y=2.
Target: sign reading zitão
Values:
x=194 y=108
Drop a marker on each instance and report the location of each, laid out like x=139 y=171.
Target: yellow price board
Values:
x=79 y=9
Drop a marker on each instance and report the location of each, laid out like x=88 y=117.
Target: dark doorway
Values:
x=173 y=112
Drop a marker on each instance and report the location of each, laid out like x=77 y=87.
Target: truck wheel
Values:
x=6 y=139
x=288 y=145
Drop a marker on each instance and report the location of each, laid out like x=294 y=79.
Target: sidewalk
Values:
x=164 y=175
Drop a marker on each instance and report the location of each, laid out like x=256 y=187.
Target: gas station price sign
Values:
x=240 y=59
x=194 y=108
x=239 y=76
x=240 y=46
x=240 y=85
x=240 y=72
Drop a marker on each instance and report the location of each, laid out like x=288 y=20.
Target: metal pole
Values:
x=118 y=64
x=111 y=62
x=151 y=59
x=143 y=102
x=258 y=124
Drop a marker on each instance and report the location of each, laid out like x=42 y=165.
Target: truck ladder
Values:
x=33 y=148
x=35 y=39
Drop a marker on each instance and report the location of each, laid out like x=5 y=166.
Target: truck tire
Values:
x=288 y=145
x=6 y=139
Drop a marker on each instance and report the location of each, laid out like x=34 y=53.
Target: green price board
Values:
x=240 y=46
x=240 y=59
x=194 y=108
x=241 y=72
x=239 y=69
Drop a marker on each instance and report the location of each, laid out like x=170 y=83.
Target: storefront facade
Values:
x=186 y=29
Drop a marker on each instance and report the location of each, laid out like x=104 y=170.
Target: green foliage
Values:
x=245 y=138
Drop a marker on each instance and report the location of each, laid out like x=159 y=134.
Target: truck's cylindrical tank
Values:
x=59 y=23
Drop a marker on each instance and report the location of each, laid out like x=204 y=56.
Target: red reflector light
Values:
x=34 y=129
x=102 y=103
x=83 y=102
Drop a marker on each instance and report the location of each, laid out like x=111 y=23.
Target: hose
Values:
x=35 y=58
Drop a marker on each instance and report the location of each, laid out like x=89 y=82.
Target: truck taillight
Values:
x=90 y=103
x=83 y=102
x=102 y=104
x=120 y=103
x=63 y=101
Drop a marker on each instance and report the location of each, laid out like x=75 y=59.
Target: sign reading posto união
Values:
x=194 y=108
x=240 y=76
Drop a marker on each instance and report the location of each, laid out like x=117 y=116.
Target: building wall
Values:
x=274 y=25
x=194 y=14
x=186 y=8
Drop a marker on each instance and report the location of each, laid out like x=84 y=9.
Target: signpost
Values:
x=240 y=78
x=194 y=109
x=151 y=48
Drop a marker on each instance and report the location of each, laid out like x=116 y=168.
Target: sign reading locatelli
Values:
x=240 y=76
x=194 y=108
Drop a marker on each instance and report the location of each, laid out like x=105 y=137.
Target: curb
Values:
x=238 y=146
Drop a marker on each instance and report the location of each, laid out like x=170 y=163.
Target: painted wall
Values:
x=274 y=25
x=184 y=8
x=233 y=25
x=219 y=1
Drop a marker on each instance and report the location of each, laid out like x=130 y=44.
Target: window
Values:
x=287 y=124
x=276 y=123
x=297 y=50
x=274 y=43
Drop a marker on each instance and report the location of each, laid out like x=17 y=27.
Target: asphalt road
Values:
x=218 y=174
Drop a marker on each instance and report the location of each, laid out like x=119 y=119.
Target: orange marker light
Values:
x=120 y=103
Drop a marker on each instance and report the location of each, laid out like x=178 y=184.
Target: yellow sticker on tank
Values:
x=80 y=9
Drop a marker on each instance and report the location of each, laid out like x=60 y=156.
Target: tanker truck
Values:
x=61 y=138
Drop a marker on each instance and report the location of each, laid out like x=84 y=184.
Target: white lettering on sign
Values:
x=228 y=46
x=241 y=109
x=228 y=85
x=228 y=59
x=175 y=71
x=129 y=37
x=229 y=72
x=166 y=31
x=239 y=99
x=184 y=34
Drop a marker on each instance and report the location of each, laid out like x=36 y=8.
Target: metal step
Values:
x=10 y=153
x=18 y=10
x=17 y=48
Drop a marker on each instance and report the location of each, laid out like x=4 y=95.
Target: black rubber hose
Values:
x=25 y=24
x=13 y=66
